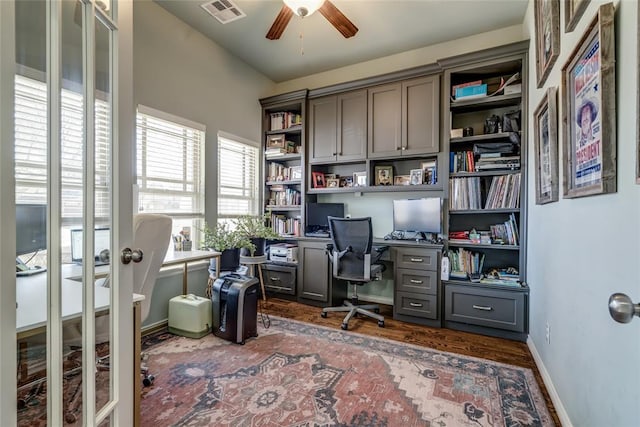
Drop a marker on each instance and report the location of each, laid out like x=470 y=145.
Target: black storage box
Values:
x=234 y=300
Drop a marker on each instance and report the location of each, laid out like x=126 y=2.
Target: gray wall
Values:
x=581 y=251
x=179 y=71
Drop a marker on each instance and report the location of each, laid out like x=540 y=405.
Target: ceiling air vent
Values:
x=224 y=11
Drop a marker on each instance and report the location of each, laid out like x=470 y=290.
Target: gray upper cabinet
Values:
x=385 y=120
x=338 y=128
x=404 y=118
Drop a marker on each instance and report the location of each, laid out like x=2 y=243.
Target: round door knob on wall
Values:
x=622 y=309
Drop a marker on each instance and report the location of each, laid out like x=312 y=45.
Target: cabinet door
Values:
x=421 y=116
x=352 y=126
x=385 y=120
x=315 y=271
x=322 y=121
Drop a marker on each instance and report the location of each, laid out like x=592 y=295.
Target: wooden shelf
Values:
x=292 y=129
x=276 y=208
x=296 y=182
x=481 y=138
x=484 y=173
x=505 y=287
x=488 y=102
x=377 y=189
x=485 y=246
x=482 y=211
x=284 y=157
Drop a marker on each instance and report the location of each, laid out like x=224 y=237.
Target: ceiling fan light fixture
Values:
x=304 y=7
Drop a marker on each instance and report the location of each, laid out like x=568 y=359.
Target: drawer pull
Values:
x=275 y=279
x=482 y=307
x=279 y=288
x=415 y=304
x=416 y=260
x=417 y=282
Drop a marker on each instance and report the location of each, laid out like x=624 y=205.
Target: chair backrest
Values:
x=356 y=233
x=152 y=235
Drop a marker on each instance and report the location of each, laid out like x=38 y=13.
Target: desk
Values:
x=185 y=257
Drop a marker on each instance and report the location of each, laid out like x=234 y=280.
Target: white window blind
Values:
x=237 y=177
x=170 y=171
x=31 y=149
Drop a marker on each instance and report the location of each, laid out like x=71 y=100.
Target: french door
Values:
x=71 y=146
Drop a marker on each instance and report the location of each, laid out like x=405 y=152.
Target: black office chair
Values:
x=351 y=259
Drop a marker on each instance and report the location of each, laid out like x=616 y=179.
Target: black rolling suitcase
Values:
x=234 y=300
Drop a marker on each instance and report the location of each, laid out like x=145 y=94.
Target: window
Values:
x=237 y=177
x=170 y=168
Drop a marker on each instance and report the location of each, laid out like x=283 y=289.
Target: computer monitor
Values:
x=31 y=228
x=317 y=213
x=417 y=215
x=102 y=241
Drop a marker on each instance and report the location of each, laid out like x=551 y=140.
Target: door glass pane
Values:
x=72 y=125
x=31 y=210
x=102 y=195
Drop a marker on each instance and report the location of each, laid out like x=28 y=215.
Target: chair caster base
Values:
x=381 y=323
x=148 y=380
x=323 y=314
x=344 y=326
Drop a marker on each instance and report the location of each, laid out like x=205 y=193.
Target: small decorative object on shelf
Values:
x=401 y=180
x=384 y=175
x=318 y=180
x=417 y=175
x=359 y=179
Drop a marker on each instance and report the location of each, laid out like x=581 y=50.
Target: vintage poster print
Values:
x=545 y=154
x=586 y=118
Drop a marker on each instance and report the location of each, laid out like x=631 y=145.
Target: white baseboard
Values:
x=555 y=398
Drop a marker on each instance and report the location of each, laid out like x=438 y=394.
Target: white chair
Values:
x=152 y=235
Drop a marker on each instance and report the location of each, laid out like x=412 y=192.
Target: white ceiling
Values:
x=385 y=27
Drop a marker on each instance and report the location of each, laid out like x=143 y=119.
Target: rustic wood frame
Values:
x=547 y=26
x=573 y=11
x=546 y=152
x=596 y=86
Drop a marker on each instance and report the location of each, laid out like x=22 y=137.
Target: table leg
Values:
x=264 y=294
x=137 y=352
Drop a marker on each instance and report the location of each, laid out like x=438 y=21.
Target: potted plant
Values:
x=223 y=239
x=255 y=228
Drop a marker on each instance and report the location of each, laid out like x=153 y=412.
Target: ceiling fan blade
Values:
x=338 y=20
x=280 y=23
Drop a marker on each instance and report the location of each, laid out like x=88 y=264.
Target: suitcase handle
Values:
x=190 y=296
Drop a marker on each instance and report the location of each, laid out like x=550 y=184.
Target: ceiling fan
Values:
x=304 y=8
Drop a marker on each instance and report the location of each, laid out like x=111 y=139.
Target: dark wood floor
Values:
x=496 y=349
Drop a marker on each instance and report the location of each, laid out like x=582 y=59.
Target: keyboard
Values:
x=317 y=234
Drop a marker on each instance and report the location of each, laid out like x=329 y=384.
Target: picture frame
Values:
x=317 y=179
x=402 y=180
x=589 y=93
x=545 y=123
x=416 y=176
x=430 y=175
x=276 y=141
x=359 y=179
x=547 y=34
x=346 y=181
x=332 y=182
x=383 y=175
x=573 y=11
x=328 y=176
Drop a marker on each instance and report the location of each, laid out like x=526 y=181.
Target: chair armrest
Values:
x=379 y=251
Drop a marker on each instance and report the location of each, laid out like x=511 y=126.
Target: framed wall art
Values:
x=573 y=11
x=547 y=23
x=589 y=110
x=545 y=123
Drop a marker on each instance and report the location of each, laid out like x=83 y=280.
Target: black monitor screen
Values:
x=31 y=228
x=317 y=214
x=418 y=215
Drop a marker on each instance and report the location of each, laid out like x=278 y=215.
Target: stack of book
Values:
x=465 y=193
x=285 y=120
x=495 y=161
x=502 y=276
x=461 y=161
x=285 y=226
x=506 y=233
x=504 y=192
x=464 y=262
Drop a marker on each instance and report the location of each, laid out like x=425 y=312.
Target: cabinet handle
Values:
x=403 y=148
x=417 y=282
x=416 y=260
x=398 y=148
x=333 y=154
x=482 y=307
x=415 y=304
x=275 y=279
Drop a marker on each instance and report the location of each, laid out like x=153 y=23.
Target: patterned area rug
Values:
x=298 y=374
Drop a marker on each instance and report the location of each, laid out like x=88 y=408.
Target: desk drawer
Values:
x=419 y=305
x=417 y=281
x=485 y=307
x=417 y=258
x=279 y=278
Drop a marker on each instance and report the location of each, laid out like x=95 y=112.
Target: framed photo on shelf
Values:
x=589 y=110
x=333 y=182
x=402 y=180
x=317 y=179
x=417 y=176
x=359 y=179
x=383 y=175
x=429 y=169
x=573 y=11
x=547 y=27
x=275 y=141
x=346 y=181
x=329 y=176
x=545 y=123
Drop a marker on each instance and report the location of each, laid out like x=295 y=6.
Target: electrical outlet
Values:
x=548 y=334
